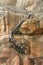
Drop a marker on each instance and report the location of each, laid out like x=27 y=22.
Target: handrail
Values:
x=19 y=48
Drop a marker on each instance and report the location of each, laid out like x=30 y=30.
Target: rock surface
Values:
x=29 y=35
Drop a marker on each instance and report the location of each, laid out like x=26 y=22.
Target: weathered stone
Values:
x=34 y=43
x=8 y=2
x=32 y=26
x=7 y=55
x=14 y=61
x=27 y=61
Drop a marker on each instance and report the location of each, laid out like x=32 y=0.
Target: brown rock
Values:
x=14 y=60
x=6 y=55
x=27 y=61
x=29 y=26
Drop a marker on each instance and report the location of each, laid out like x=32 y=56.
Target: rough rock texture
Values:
x=9 y=21
x=7 y=55
x=30 y=25
x=33 y=42
x=30 y=34
x=8 y=2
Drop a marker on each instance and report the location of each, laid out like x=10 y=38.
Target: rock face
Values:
x=30 y=25
x=29 y=35
x=9 y=21
x=8 y=2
